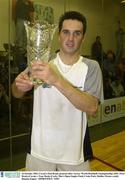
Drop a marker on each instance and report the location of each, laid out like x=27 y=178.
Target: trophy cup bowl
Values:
x=39 y=39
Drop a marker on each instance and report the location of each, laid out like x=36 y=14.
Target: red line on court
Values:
x=108 y=164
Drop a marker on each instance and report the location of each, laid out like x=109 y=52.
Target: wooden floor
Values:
x=109 y=153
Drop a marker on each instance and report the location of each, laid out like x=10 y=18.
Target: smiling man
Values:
x=60 y=138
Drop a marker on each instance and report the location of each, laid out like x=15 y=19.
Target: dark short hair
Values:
x=74 y=15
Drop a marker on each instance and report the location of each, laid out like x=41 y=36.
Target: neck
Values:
x=69 y=59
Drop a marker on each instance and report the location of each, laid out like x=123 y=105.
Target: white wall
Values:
x=4 y=22
x=101 y=20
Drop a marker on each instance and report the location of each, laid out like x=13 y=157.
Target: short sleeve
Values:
x=93 y=82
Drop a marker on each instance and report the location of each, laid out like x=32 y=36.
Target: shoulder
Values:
x=93 y=66
x=90 y=63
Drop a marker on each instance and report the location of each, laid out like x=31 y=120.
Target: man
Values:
x=24 y=11
x=60 y=138
x=119 y=35
x=96 y=50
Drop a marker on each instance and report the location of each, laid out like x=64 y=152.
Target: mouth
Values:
x=70 y=45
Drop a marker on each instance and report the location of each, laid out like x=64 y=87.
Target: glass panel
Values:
x=21 y=114
x=5 y=156
x=19 y=150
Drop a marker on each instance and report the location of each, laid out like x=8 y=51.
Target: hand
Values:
x=23 y=82
x=46 y=72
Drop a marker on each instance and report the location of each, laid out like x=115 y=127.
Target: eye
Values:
x=77 y=33
x=66 y=32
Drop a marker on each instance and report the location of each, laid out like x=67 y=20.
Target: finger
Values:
x=23 y=75
x=38 y=68
x=39 y=63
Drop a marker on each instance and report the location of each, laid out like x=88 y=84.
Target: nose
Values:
x=71 y=36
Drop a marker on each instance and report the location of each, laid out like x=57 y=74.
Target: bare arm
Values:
x=81 y=100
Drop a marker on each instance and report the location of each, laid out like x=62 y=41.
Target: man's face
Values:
x=71 y=36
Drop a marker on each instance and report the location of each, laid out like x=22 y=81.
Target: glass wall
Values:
x=106 y=22
x=15 y=114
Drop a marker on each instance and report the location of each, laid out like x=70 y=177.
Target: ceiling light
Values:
x=123 y=1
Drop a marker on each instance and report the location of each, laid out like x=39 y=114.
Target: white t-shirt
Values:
x=59 y=129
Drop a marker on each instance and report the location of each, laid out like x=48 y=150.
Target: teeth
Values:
x=69 y=44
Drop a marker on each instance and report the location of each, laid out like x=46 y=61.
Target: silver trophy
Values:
x=39 y=39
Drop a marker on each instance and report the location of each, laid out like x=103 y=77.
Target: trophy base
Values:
x=36 y=81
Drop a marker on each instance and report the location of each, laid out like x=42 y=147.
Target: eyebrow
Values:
x=80 y=31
